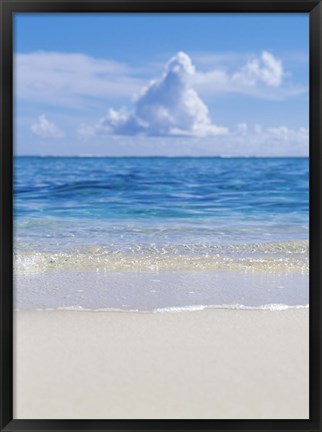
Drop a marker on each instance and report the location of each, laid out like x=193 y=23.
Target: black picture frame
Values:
x=7 y=9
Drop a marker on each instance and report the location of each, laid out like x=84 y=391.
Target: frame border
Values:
x=7 y=9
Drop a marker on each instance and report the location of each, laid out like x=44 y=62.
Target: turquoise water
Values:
x=161 y=214
x=211 y=199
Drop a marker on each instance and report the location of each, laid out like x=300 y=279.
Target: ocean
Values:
x=160 y=234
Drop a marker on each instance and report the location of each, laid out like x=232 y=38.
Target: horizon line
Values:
x=164 y=156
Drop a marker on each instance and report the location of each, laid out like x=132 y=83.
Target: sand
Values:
x=220 y=364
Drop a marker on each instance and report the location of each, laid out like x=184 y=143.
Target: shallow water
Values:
x=160 y=291
x=196 y=216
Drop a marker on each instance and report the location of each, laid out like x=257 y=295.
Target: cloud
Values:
x=270 y=141
x=248 y=140
x=167 y=107
x=261 y=76
x=79 y=81
x=283 y=133
x=242 y=140
x=267 y=69
x=270 y=135
x=242 y=129
x=173 y=106
x=46 y=129
x=70 y=79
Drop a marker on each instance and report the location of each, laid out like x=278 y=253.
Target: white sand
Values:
x=223 y=364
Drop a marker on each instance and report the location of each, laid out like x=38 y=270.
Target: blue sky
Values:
x=161 y=84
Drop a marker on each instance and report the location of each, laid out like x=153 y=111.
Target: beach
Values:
x=161 y=288
x=220 y=364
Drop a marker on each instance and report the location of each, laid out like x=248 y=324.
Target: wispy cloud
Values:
x=68 y=79
x=46 y=129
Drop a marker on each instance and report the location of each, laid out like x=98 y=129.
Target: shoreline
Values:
x=158 y=290
x=173 y=309
x=223 y=364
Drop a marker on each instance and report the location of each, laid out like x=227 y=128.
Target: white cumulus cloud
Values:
x=266 y=69
x=46 y=129
x=167 y=107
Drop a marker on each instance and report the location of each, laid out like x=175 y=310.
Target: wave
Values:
x=265 y=257
x=193 y=308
